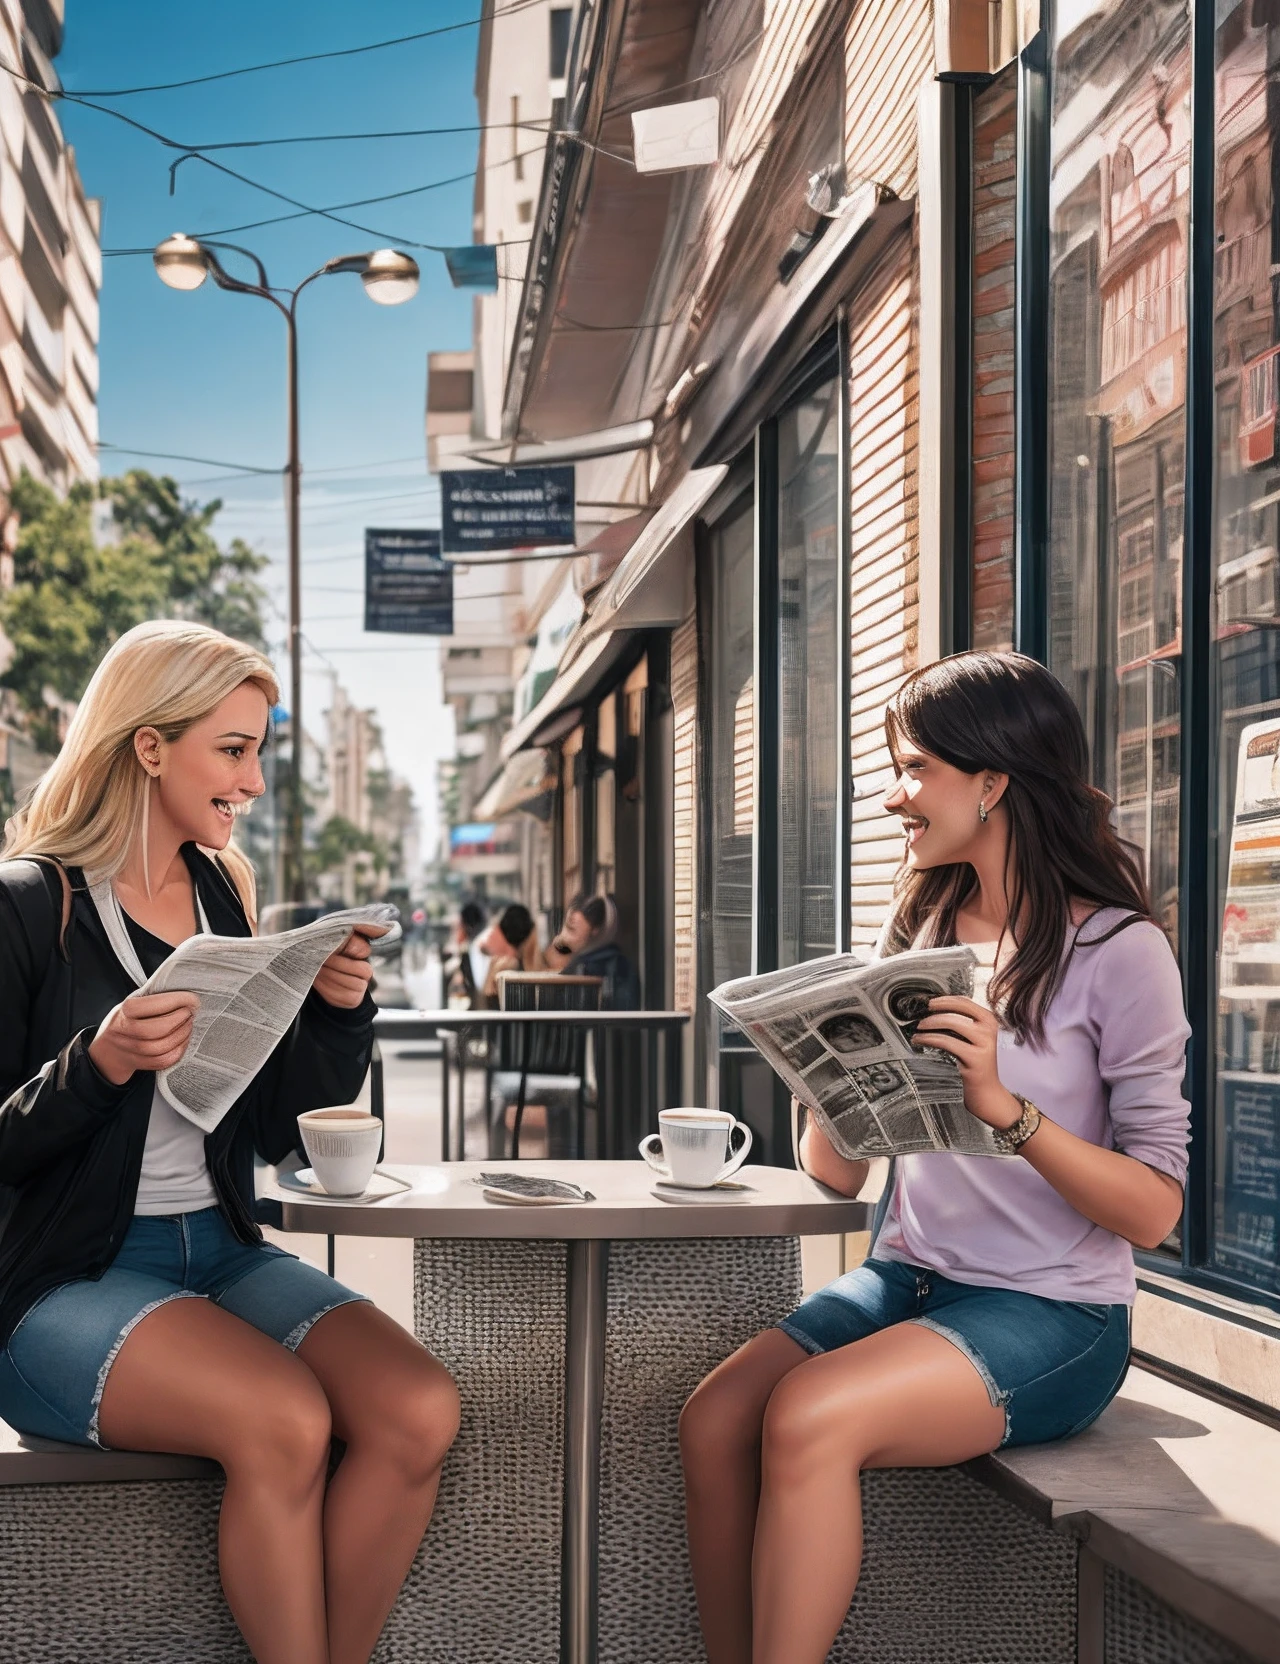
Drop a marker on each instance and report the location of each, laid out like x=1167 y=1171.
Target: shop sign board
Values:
x=408 y=586
x=506 y=508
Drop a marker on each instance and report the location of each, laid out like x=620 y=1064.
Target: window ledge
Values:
x=1179 y=1492
x=1210 y=1337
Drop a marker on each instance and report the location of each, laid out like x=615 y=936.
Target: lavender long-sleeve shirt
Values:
x=1110 y=1070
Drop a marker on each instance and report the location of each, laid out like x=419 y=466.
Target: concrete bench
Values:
x=1154 y=1538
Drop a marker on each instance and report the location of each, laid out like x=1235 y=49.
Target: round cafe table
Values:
x=575 y=1334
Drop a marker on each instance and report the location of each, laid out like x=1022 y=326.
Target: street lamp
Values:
x=389 y=277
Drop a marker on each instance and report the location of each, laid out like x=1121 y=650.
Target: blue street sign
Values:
x=408 y=588
x=506 y=508
x=474 y=266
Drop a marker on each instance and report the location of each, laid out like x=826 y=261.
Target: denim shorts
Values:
x=55 y=1366
x=1053 y=1366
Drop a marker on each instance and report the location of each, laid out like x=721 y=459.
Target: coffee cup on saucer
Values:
x=342 y=1146
x=694 y=1148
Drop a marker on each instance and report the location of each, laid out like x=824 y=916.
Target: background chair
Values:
x=550 y=1057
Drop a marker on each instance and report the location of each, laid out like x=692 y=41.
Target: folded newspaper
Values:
x=251 y=988
x=838 y=1031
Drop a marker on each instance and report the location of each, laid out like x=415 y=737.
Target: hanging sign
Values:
x=506 y=508
x=408 y=588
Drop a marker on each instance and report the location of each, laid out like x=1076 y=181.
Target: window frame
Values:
x=1200 y=715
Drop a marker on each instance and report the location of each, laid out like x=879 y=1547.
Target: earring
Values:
x=982 y=813
x=146 y=830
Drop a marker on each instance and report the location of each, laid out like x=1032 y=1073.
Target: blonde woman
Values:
x=140 y=1307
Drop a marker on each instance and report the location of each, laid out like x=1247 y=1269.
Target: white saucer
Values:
x=381 y=1185
x=728 y=1190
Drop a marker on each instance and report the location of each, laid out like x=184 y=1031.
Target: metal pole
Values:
x=587 y=1299
x=296 y=882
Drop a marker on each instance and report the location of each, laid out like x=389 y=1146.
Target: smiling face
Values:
x=938 y=804
x=211 y=775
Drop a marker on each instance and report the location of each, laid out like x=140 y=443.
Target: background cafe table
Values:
x=575 y=1335
x=664 y=1085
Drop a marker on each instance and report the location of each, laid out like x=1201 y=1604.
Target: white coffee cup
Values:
x=342 y=1146
x=691 y=1147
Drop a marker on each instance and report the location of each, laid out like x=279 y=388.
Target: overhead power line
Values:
x=197 y=153
x=303 y=58
x=175 y=456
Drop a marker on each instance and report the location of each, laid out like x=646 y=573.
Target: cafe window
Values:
x=1244 y=1226
x=1120 y=340
x=1119 y=157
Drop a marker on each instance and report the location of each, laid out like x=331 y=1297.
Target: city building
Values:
x=50 y=276
x=967 y=338
x=364 y=837
x=50 y=267
x=511 y=616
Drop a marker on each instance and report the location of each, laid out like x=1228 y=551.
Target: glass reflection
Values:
x=1117 y=375
x=1246 y=1151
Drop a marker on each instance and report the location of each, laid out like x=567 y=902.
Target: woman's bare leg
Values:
x=397 y=1410
x=905 y=1397
x=720 y=1430
x=197 y=1381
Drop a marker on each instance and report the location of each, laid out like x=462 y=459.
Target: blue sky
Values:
x=203 y=374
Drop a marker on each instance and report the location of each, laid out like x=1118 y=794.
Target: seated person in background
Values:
x=458 y=970
x=587 y=946
x=511 y=943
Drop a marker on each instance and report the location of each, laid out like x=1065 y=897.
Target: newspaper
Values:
x=838 y=1031
x=251 y=988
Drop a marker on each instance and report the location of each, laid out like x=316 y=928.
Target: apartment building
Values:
x=50 y=276
x=50 y=267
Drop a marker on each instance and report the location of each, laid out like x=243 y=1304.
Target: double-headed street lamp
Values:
x=389 y=277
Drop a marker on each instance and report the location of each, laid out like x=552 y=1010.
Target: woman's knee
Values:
x=723 y=1417
x=282 y=1434
x=802 y=1426
x=719 y=1422
x=411 y=1419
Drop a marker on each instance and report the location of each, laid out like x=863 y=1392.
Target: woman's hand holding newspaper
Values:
x=346 y=974
x=145 y=1031
x=971 y=1033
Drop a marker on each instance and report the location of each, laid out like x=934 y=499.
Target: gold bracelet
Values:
x=1011 y=1139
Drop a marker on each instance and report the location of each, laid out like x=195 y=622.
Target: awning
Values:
x=520 y=781
x=729 y=404
x=631 y=436
x=649 y=589
x=572 y=685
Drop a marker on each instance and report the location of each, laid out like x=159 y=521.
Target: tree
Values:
x=73 y=596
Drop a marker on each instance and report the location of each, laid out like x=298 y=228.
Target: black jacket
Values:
x=71 y=1142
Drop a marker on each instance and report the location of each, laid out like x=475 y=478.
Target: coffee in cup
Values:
x=342 y=1146
x=694 y=1148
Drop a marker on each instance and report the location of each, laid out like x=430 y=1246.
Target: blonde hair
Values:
x=88 y=809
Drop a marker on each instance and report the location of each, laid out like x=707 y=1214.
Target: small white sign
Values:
x=677 y=136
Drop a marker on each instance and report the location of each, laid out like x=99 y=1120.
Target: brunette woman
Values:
x=994 y=1308
x=140 y=1308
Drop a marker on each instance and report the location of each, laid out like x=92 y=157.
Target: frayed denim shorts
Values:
x=1053 y=1366
x=54 y=1369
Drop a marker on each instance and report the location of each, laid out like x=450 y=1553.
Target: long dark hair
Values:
x=1006 y=713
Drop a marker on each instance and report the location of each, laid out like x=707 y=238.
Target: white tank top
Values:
x=175 y=1175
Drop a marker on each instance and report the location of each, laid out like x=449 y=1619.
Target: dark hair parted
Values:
x=1006 y=713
